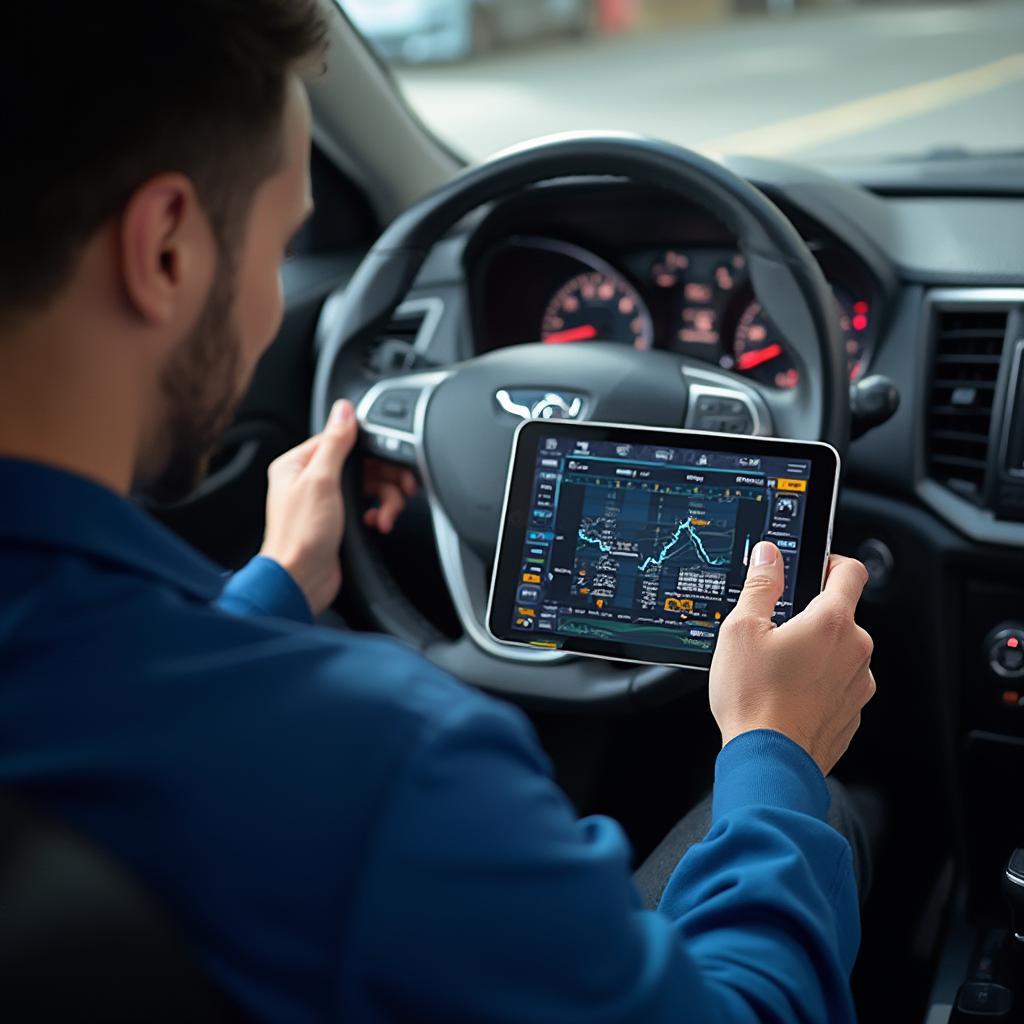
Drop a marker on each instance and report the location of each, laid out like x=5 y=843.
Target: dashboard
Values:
x=687 y=292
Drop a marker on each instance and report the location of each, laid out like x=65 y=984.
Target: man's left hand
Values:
x=305 y=512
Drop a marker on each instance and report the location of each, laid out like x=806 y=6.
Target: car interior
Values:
x=879 y=307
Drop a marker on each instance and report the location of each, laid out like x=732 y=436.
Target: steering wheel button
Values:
x=394 y=408
x=709 y=405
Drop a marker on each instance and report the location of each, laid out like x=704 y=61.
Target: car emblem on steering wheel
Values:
x=540 y=405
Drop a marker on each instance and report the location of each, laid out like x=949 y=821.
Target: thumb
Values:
x=337 y=439
x=764 y=583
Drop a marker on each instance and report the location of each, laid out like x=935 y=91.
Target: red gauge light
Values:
x=758 y=350
x=582 y=333
x=597 y=306
x=757 y=356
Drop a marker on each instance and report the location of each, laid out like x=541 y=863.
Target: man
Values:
x=340 y=829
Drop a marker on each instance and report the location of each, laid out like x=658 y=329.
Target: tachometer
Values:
x=597 y=306
x=758 y=349
x=759 y=352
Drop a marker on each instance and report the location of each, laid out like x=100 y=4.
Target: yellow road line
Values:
x=847 y=119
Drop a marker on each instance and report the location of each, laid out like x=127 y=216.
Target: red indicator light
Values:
x=860 y=307
x=582 y=333
x=1012 y=642
x=757 y=356
x=859 y=321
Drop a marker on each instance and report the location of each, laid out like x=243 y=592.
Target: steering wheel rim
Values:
x=789 y=284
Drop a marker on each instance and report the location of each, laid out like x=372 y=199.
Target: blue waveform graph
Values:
x=685 y=527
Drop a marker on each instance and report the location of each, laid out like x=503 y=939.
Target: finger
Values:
x=370 y=517
x=297 y=458
x=764 y=583
x=337 y=439
x=845 y=581
x=377 y=472
x=392 y=501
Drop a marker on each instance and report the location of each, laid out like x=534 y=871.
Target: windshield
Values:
x=818 y=81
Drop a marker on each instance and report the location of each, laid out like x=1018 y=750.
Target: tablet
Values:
x=632 y=543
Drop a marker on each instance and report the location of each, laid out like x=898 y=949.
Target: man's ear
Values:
x=167 y=249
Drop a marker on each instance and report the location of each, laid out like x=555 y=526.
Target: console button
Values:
x=1005 y=651
x=878 y=561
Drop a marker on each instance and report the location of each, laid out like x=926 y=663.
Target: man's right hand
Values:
x=808 y=678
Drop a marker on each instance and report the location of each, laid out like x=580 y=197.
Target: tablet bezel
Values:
x=811 y=566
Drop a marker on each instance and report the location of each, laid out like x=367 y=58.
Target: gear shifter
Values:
x=1013 y=889
x=994 y=990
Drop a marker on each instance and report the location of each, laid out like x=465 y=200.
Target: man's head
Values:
x=157 y=167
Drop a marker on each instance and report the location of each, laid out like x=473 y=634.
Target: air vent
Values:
x=967 y=353
x=398 y=345
x=393 y=350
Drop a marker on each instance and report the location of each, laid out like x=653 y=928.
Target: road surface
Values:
x=848 y=82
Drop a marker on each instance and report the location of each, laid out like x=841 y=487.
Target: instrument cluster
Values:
x=693 y=299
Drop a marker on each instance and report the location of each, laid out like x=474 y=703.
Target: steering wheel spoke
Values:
x=391 y=417
x=724 y=403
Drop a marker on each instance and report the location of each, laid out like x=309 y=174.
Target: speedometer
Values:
x=597 y=306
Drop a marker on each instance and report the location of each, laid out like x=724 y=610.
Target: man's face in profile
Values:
x=207 y=375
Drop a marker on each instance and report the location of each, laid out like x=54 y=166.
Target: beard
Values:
x=201 y=389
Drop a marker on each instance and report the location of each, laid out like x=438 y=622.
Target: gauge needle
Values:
x=581 y=333
x=749 y=360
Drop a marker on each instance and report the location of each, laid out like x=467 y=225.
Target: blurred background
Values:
x=820 y=81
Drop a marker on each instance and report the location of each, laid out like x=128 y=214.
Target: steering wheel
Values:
x=453 y=428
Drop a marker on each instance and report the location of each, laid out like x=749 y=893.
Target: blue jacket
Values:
x=344 y=832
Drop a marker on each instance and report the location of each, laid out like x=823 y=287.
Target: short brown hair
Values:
x=100 y=95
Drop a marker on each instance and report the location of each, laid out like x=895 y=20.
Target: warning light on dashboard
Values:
x=678 y=604
x=1012 y=641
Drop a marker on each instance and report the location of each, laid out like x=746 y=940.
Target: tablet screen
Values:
x=633 y=544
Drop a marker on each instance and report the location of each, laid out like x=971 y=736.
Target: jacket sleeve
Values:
x=262 y=587
x=484 y=897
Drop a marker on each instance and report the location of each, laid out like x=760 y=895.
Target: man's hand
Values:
x=810 y=677
x=305 y=514
x=391 y=485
